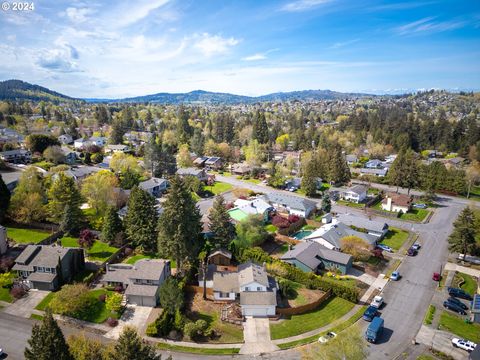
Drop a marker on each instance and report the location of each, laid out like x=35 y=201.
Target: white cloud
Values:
x=214 y=44
x=133 y=11
x=428 y=25
x=255 y=57
x=303 y=5
x=77 y=15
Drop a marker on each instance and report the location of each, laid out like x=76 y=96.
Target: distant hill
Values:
x=20 y=90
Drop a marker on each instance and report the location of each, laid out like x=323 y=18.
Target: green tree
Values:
x=39 y=142
x=72 y=300
x=462 y=238
x=70 y=223
x=28 y=199
x=184 y=159
x=197 y=141
x=118 y=130
x=113 y=302
x=112 y=225
x=171 y=295
x=276 y=178
x=179 y=225
x=260 y=128
x=84 y=348
x=4 y=199
x=47 y=341
x=63 y=191
x=404 y=171
x=250 y=232
x=98 y=190
x=129 y=179
x=153 y=157
x=338 y=170
x=309 y=179
x=326 y=203
x=141 y=219
x=130 y=346
x=54 y=154
x=220 y=224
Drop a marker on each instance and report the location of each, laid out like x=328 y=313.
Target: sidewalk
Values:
x=463 y=269
x=378 y=284
x=440 y=341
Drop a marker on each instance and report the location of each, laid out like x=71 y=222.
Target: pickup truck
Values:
x=377 y=302
x=374 y=330
x=463 y=344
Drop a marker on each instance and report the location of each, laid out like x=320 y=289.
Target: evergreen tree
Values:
x=153 y=157
x=309 y=179
x=404 y=171
x=326 y=203
x=129 y=346
x=71 y=222
x=4 y=198
x=395 y=173
x=47 y=341
x=462 y=239
x=338 y=169
x=260 y=128
x=141 y=219
x=197 y=142
x=63 y=192
x=220 y=224
x=179 y=225
x=112 y=225
x=116 y=135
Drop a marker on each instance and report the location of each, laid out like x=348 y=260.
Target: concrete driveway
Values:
x=133 y=315
x=256 y=335
x=24 y=307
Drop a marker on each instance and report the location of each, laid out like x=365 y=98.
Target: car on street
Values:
x=464 y=344
x=411 y=252
x=420 y=206
x=377 y=302
x=370 y=313
x=395 y=276
x=416 y=246
x=385 y=248
x=292 y=189
x=327 y=337
x=436 y=276
x=459 y=293
x=458 y=302
x=454 y=307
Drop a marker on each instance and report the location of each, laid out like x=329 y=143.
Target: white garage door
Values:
x=255 y=312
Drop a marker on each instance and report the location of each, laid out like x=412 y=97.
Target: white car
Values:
x=377 y=302
x=395 y=276
x=463 y=344
x=325 y=338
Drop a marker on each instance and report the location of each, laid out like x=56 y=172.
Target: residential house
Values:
x=141 y=281
x=331 y=235
x=390 y=159
x=220 y=257
x=327 y=218
x=70 y=156
x=46 y=267
x=397 y=202
x=373 y=164
x=295 y=183
x=99 y=141
x=375 y=172
x=3 y=240
x=154 y=186
x=456 y=161
x=241 y=169
x=201 y=174
x=16 y=156
x=81 y=172
x=214 y=163
x=291 y=204
x=80 y=144
x=120 y=148
x=200 y=161
x=372 y=227
x=351 y=159
x=356 y=194
x=65 y=139
x=243 y=208
x=311 y=256
x=475 y=309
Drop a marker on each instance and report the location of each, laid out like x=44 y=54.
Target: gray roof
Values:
x=212 y=160
x=258 y=298
x=292 y=201
x=251 y=272
x=41 y=277
x=226 y=282
x=362 y=223
x=144 y=269
x=40 y=255
x=141 y=290
x=151 y=183
x=14 y=152
x=223 y=252
x=357 y=189
x=351 y=158
x=189 y=171
x=375 y=171
x=310 y=253
x=335 y=232
x=82 y=171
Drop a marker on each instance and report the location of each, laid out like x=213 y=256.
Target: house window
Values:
x=259 y=288
x=247 y=289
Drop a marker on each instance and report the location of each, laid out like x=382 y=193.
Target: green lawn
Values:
x=415 y=215
x=457 y=326
x=5 y=291
x=351 y=204
x=425 y=357
x=36 y=317
x=196 y=197
x=45 y=165
x=395 y=238
x=133 y=259
x=219 y=187
x=229 y=333
x=42 y=305
x=24 y=236
x=429 y=315
x=468 y=282
x=195 y=350
x=100 y=251
x=254 y=181
x=332 y=309
x=95 y=220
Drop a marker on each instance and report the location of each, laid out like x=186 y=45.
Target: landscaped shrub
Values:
x=118 y=288
x=112 y=322
x=128 y=251
x=253 y=254
x=280 y=222
x=73 y=300
x=179 y=321
x=292 y=218
x=287 y=287
x=86 y=239
x=193 y=330
x=152 y=329
x=18 y=292
x=6 y=263
x=102 y=297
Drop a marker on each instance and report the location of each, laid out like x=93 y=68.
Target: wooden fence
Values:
x=198 y=290
x=305 y=308
x=51 y=239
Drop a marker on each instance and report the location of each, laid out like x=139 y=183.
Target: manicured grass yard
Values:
x=457 y=326
x=218 y=187
x=5 y=292
x=468 y=282
x=94 y=219
x=229 y=333
x=133 y=259
x=196 y=350
x=332 y=309
x=351 y=204
x=100 y=251
x=395 y=238
x=24 y=236
x=415 y=215
x=254 y=181
x=42 y=305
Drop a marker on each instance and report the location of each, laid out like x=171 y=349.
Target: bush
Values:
x=128 y=251
x=112 y=322
x=6 y=263
x=152 y=329
x=102 y=297
x=73 y=300
x=18 y=292
x=190 y=330
x=179 y=320
x=196 y=329
x=86 y=239
x=287 y=287
x=280 y=222
x=118 y=288
x=292 y=218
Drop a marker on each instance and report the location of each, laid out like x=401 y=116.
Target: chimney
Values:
x=389 y=203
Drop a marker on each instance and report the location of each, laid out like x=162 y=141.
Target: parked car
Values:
x=327 y=337
x=454 y=307
x=471 y=259
x=374 y=330
x=458 y=302
x=377 y=302
x=292 y=189
x=420 y=206
x=416 y=246
x=370 y=313
x=385 y=247
x=395 y=276
x=464 y=344
x=411 y=252
x=436 y=276
x=459 y=293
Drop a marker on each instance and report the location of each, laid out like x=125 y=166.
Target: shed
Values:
x=220 y=257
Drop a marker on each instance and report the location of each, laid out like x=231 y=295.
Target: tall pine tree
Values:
x=141 y=220
x=130 y=346
x=112 y=225
x=4 y=198
x=220 y=224
x=63 y=192
x=47 y=341
x=309 y=179
x=260 y=127
x=338 y=169
x=179 y=227
x=462 y=239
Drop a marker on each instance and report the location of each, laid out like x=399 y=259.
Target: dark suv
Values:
x=454 y=307
x=370 y=313
x=457 y=302
x=459 y=293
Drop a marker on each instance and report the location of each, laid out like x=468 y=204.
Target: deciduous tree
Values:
x=98 y=190
x=28 y=199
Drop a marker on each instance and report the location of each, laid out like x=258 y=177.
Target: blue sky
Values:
x=126 y=48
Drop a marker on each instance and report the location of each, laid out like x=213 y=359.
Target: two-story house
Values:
x=16 y=156
x=141 y=281
x=46 y=267
x=154 y=186
x=356 y=194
